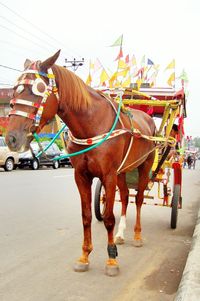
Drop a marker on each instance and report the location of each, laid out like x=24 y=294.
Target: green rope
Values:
x=50 y=143
x=84 y=150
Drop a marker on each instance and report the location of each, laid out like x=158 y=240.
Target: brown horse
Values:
x=39 y=94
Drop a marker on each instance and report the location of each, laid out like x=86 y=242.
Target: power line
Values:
x=33 y=25
x=10 y=68
x=21 y=28
x=21 y=36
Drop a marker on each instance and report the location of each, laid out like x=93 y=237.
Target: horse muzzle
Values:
x=17 y=142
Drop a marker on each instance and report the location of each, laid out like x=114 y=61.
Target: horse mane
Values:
x=72 y=89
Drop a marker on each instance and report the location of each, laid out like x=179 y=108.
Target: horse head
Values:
x=34 y=104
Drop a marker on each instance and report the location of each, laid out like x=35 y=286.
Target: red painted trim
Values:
x=177 y=173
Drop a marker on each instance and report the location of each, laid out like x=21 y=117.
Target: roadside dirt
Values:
x=160 y=278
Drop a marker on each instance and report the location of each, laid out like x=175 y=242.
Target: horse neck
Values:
x=89 y=122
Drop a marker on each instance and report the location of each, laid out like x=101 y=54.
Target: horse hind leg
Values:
x=124 y=195
x=143 y=170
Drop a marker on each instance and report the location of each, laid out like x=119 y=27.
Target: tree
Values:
x=196 y=142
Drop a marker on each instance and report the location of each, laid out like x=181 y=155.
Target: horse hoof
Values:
x=119 y=240
x=81 y=267
x=112 y=270
x=138 y=243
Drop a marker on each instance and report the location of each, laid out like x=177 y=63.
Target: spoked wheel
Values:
x=176 y=200
x=99 y=201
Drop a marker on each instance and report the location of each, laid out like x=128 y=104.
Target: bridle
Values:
x=39 y=88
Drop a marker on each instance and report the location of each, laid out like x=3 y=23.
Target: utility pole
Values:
x=74 y=64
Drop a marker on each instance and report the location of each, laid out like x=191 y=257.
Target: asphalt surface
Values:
x=41 y=237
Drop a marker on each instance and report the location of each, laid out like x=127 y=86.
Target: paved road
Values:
x=41 y=236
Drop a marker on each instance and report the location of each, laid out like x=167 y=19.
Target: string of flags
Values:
x=129 y=71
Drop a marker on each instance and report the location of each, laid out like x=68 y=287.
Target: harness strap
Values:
x=96 y=139
x=110 y=101
x=24 y=82
x=51 y=88
x=126 y=156
x=23 y=114
x=24 y=102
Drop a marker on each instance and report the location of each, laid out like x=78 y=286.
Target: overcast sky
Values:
x=160 y=30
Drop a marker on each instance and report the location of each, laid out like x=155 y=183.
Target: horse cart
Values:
x=166 y=107
x=45 y=89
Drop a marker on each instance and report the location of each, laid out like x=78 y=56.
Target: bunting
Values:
x=120 y=55
x=89 y=80
x=142 y=63
x=127 y=59
x=127 y=82
x=171 y=80
x=97 y=65
x=118 y=42
x=122 y=65
x=150 y=62
x=171 y=65
x=123 y=72
x=133 y=61
x=104 y=76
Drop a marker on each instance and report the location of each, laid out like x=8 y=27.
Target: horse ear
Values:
x=27 y=63
x=49 y=62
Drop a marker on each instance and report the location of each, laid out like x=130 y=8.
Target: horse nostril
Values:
x=12 y=139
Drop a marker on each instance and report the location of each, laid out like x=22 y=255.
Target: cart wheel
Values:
x=99 y=201
x=175 y=203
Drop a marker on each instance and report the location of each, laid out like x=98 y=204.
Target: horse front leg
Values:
x=124 y=196
x=109 y=182
x=84 y=186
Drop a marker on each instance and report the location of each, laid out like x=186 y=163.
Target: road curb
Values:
x=189 y=287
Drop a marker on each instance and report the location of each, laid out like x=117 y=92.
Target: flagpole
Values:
x=119 y=57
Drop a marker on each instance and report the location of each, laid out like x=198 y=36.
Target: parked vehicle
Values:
x=8 y=159
x=29 y=158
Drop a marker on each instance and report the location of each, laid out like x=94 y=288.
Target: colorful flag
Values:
x=113 y=77
x=133 y=61
x=127 y=82
x=89 y=80
x=91 y=65
x=120 y=55
x=171 y=65
x=97 y=65
x=104 y=76
x=183 y=76
x=142 y=63
x=150 y=62
x=123 y=72
x=171 y=79
x=127 y=59
x=122 y=64
x=140 y=72
x=118 y=42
